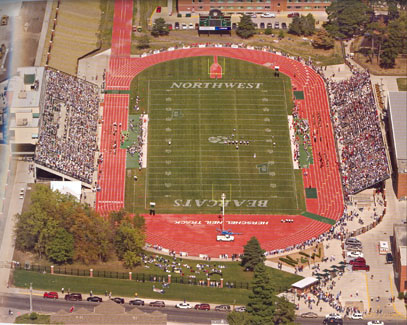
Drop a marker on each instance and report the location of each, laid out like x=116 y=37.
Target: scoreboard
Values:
x=215 y=21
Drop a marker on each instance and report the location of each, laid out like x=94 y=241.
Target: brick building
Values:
x=258 y=6
x=400 y=256
x=397 y=113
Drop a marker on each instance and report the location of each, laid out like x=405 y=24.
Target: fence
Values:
x=141 y=277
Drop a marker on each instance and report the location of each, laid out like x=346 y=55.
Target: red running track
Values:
x=197 y=234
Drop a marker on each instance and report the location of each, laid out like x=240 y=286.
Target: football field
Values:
x=208 y=136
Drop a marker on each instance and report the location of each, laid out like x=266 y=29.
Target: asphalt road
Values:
x=22 y=302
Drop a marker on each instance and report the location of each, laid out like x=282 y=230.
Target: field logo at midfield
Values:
x=216 y=85
x=215 y=203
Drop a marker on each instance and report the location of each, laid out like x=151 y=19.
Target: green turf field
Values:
x=194 y=124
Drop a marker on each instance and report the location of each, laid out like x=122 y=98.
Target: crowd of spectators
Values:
x=67 y=139
x=137 y=146
x=362 y=154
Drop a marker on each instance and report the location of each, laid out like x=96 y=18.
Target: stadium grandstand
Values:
x=67 y=140
x=362 y=154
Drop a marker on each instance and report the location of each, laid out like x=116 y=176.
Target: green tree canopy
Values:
x=253 y=254
x=347 y=18
x=322 y=40
x=60 y=247
x=129 y=242
x=160 y=28
x=246 y=27
x=261 y=304
x=304 y=25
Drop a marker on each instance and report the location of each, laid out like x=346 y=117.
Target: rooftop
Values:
x=398 y=113
x=305 y=282
x=23 y=94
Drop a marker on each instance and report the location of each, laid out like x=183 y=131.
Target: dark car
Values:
x=389 y=258
x=333 y=321
x=51 y=295
x=222 y=308
x=118 y=300
x=157 y=304
x=94 y=299
x=136 y=302
x=73 y=297
x=202 y=307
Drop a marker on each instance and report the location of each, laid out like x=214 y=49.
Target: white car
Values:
x=241 y=309
x=335 y=316
x=184 y=26
x=183 y=305
x=356 y=316
x=225 y=238
x=354 y=254
x=191 y=26
x=268 y=15
x=375 y=322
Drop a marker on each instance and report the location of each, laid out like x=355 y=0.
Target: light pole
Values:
x=223 y=211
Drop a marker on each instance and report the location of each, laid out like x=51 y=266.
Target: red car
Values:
x=358 y=260
x=51 y=295
x=364 y=267
x=293 y=14
x=158 y=9
x=203 y=307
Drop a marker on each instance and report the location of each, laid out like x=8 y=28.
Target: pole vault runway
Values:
x=196 y=234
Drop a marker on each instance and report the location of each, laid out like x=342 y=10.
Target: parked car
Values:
x=277 y=25
x=375 y=322
x=363 y=267
x=389 y=258
x=183 y=305
x=118 y=300
x=354 y=254
x=240 y=309
x=184 y=26
x=253 y=16
x=269 y=25
x=202 y=307
x=310 y=314
x=137 y=302
x=358 y=260
x=157 y=304
x=73 y=297
x=94 y=299
x=268 y=15
x=354 y=248
x=334 y=316
x=51 y=295
x=332 y=321
x=293 y=14
x=353 y=241
x=158 y=9
x=356 y=316
x=222 y=308
x=191 y=26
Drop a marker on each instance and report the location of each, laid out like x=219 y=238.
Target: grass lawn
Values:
x=192 y=133
x=231 y=271
x=106 y=23
x=127 y=288
x=402 y=84
x=25 y=319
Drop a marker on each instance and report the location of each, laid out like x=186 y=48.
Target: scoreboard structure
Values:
x=215 y=23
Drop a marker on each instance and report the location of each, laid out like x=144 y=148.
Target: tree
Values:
x=347 y=18
x=393 y=11
x=60 y=247
x=281 y=34
x=246 y=27
x=284 y=312
x=322 y=40
x=238 y=318
x=268 y=31
x=129 y=239
x=253 y=254
x=143 y=42
x=395 y=43
x=304 y=25
x=261 y=304
x=160 y=28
